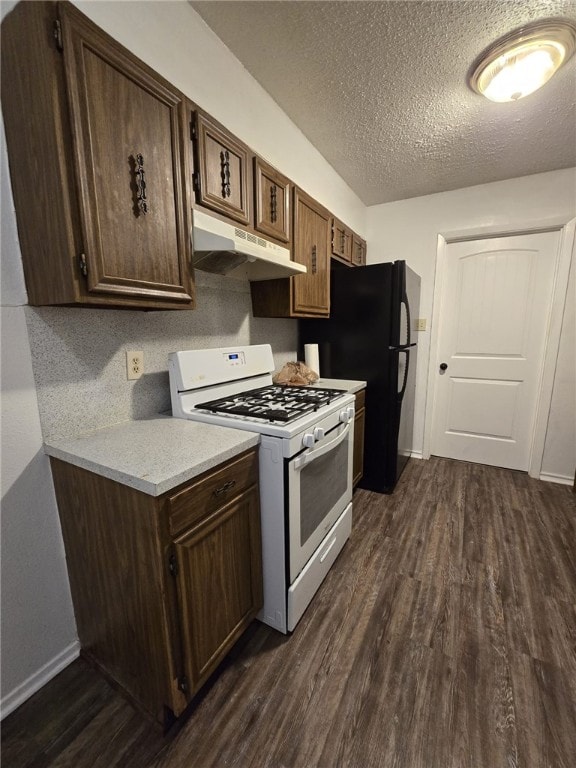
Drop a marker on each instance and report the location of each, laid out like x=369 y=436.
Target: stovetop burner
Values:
x=275 y=403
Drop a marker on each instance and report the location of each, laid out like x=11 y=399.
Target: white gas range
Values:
x=306 y=443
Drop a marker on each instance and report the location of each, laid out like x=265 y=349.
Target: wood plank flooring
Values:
x=443 y=637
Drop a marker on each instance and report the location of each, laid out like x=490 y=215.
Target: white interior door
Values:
x=494 y=317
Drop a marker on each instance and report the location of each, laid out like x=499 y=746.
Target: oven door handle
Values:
x=314 y=453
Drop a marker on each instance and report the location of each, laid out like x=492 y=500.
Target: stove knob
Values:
x=308 y=440
x=345 y=416
x=318 y=433
x=351 y=412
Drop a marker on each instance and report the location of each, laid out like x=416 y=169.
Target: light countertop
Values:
x=155 y=455
x=348 y=385
x=152 y=455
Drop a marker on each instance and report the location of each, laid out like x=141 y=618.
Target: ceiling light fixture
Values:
x=524 y=60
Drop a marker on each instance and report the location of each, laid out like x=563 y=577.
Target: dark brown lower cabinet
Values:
x=162 y=586
x=359 y=421
x=217 y=583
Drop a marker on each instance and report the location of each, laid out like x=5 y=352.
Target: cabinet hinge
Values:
x=173 y=565
x=83 y=264
x=196 y=181
x=58 y=35
x=183 y=684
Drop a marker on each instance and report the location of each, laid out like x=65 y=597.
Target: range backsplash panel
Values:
x=79 y=355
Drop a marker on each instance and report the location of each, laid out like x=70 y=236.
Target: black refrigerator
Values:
x=370 y=336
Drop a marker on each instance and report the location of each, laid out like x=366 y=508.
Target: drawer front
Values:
x=210 y=492
x=360 y=400
x=309 y=580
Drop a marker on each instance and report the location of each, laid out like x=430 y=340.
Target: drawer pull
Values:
x=224 y=488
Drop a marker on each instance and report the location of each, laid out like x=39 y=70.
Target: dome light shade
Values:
x=524 y=60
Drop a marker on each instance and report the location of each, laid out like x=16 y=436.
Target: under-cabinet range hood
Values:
x=225 y=249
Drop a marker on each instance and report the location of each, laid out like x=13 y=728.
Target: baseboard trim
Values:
x=416 y=455
x=28 y=688
x=549 y=477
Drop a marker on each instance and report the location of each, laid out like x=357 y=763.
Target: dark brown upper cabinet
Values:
x=221 y=169
x=305 y=295
x=341 y=241
x=311 y=293
x=272 y=201
x=98 y=160
x=358 y=251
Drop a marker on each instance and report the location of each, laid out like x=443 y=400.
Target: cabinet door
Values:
x=358 y=251
x=272 y=196
x=311 y=292
x=219 y=583
x=222 y=168
x=341 y=241
x=129 y=156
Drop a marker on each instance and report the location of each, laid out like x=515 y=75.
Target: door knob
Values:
x=443 y=366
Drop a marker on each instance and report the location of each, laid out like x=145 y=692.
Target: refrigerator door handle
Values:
x=404 y=301
x=405 y=381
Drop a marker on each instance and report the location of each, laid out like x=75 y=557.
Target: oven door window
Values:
x=322 y=484
x=319 y=491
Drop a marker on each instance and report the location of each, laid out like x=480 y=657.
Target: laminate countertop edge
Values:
x=152 y=455
x=351 y=386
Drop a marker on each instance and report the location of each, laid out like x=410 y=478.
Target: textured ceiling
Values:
x=380 y=89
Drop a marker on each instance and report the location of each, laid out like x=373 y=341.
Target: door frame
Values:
x=555 y=315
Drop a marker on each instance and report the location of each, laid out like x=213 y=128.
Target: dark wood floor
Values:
x=443 y=637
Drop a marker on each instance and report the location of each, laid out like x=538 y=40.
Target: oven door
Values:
x=319 y=490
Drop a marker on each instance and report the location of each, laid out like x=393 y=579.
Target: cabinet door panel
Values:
x=358 y=251
x=136 y=247
x=272 y=201
x=223 y=166
x=311 y=292
x=220 y=583
x=341 y=241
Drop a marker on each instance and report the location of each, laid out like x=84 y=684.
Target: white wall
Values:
x=38 y=630
x=409 y=229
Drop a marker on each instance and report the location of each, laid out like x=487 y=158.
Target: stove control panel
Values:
x=234 y=358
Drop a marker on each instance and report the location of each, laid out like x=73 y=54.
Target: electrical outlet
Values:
x=134 y=364
x=420 y=324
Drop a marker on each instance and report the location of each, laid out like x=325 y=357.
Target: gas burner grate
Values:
x=278 y=402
